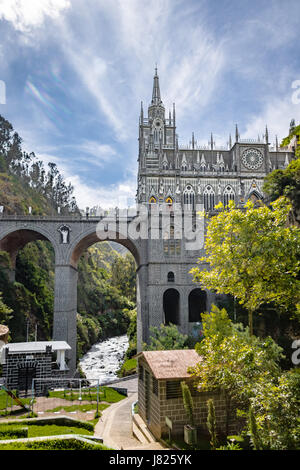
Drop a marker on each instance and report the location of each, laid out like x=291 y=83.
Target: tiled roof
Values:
x=170 y=364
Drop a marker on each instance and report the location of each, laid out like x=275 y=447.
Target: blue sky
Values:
x=76 y=71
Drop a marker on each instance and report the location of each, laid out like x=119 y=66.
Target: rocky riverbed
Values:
x=104 y=359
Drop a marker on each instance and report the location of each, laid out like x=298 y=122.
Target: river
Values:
x=103 y=360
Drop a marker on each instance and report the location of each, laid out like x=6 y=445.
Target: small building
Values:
x=23 y=362
x=159 y=393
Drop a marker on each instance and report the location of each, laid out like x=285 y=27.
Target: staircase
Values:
x=140 y=430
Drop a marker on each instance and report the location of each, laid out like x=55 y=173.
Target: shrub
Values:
x=188 y=402
x=211 y=423
x=13 y=432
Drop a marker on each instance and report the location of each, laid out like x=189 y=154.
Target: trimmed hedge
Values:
x=13 y=432
x=61 y=421
x=53 y=444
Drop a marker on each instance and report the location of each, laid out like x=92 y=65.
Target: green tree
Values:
x=5 y=312
x=285 y=183
x=212 y=424
x=233 y=362
x=166 y=337
x=255 y=438
x=294 y=131
x=131 y=333
x=276 y=405
x=254 y=256
x=123 y=272
x=188 y=402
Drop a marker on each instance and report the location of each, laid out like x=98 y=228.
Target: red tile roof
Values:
x=170 y=364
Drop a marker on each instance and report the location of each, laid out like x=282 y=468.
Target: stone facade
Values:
x=40 y=363
x=20 y=368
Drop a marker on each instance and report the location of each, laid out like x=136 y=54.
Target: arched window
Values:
x=228 y=195
x=197 y=304
x=171 y=277
x=209 y=198
x=171 y=306
x=152 y=200
x=256 y=198
x=189 y=198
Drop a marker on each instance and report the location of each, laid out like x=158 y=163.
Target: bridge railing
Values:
x=66 y=218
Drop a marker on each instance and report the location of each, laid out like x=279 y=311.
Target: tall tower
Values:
x=191 y=177
x=157 y=142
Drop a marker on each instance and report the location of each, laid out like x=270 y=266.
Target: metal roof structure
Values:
x=36 y=346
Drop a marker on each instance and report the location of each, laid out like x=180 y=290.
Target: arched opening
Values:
x=228 y=195
x=197 y=304
x=209 y=198
x=189 y=198
x=108 y=292
x=30 y=262
x=171 y=306
x=171 y=277
x=96 y=237
x=256 y=198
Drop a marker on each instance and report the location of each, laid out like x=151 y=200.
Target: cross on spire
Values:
x=156 y=100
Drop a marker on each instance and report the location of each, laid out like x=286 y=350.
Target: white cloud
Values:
x=277 y=115
x=115 y=61
x=94 y=153
x=114 y=195
x=93 y=72
x=28 y=14
x=120 y=194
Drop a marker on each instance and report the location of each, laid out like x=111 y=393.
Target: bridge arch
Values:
x=84 y=240
x=69 y=239
x=12 y=240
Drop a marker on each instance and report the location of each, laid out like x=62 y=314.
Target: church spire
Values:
x=156 y=100
x=237 y=135
x=267 y=135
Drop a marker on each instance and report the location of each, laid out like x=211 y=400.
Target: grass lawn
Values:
x=84 y=408
x=7 y=401
x=129 y=367
x=106 y=394
x=48 y=430
x=54 y=430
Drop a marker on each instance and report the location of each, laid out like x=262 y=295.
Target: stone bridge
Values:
x=70 y=237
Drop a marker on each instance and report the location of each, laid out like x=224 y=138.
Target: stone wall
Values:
x=41 y=362
x=159 y=406
x=14 y=362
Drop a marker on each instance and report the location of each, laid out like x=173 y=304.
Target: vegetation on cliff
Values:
x=106 y=279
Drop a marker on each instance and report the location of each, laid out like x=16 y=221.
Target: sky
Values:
x=75 y=73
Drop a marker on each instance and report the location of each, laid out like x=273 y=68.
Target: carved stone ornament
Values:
x=64 y=231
